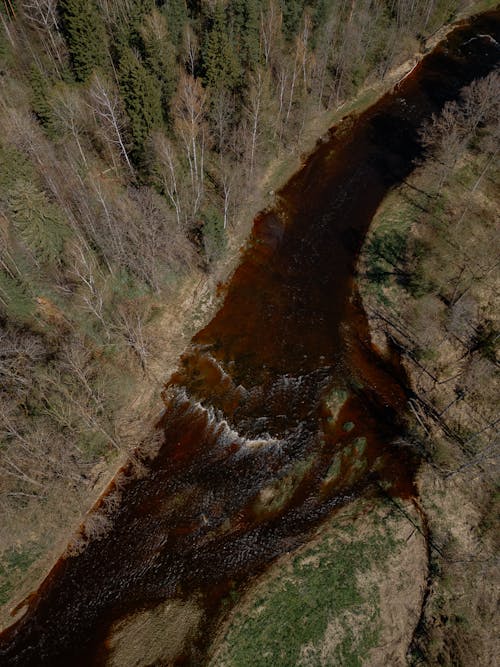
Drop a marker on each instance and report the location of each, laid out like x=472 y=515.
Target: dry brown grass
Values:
x=154 y=637
x=451 y=367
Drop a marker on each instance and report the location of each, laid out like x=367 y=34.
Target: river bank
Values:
x=315 y=340
x=435 y=297
x=190 y=307
x=346 y=422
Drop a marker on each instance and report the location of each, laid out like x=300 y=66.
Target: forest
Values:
x=135 y=142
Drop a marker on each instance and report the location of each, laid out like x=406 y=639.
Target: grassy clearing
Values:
x=323 y=605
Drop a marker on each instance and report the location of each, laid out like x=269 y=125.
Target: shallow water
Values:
x=281 y=392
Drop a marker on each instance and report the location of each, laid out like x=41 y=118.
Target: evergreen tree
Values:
x=292 y=14
x=245 y=31
x=141 y=95
x=85 y=35
x=221 y=66
x=160 y=56
x=14 y=167
x=320 y=11
x=127 y=26
x=40 y=101
x=38 y=222
x=176 y=13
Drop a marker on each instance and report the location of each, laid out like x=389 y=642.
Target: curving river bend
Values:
x=251 y=403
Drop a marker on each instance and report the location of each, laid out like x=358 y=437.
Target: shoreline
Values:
x=206 y=286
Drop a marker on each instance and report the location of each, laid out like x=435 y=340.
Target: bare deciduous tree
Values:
x=271 y=20
x=168 y=169
x=191 y=48
x=68 y=110
x=254 y=112
x=106 y=106
x=130 y=321
x=42 y=14
x=189 y=119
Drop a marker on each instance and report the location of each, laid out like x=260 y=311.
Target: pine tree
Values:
x=245 y=31
x=85 y=35
x=220 y=62
x=40 y=100
x=38 y=222
x=140 y=92
x=321 y=10
x=176 y=13
x=292 y=14
x=160 y=56
x=252 y=34
x=128 y=19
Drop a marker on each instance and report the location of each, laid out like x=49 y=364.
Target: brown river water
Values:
x=250 y=405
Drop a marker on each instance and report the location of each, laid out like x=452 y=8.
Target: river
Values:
x=281 y=384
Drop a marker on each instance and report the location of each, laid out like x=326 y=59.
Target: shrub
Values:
x=214 y=235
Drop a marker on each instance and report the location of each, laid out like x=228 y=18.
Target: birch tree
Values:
x=254 y=111
x=42 y=14
x=69 y=112
x=106 y=107
x=190 y=124
x=168 y=171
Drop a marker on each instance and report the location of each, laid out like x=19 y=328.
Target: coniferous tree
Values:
x=292 y=14
x=39 y=100
x=220 y=62
x=39 y=222
x=127 y=22
x=176 y=13
x=245 y=31
x=252 y=33
x=85 y=34
x=141 y=96
x=160 y=56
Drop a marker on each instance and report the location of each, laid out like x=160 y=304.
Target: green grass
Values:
x=290 y=616
x=14 y=562
x=284 y=488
